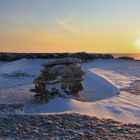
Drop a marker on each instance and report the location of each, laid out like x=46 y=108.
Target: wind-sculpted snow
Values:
x=30 y=67
x=103 y=80
x=96 y=87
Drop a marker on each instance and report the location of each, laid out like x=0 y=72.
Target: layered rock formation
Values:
x=60 y=77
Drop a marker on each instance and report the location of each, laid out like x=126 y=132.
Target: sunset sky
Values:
x=107 y=26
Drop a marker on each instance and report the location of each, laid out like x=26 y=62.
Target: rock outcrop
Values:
x=60 y=77
x=83 y=56
x=126 y=58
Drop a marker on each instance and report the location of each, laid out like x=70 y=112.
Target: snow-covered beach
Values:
x=108 y=108
x=111 y=89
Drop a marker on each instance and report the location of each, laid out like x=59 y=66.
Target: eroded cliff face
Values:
x=61 y=77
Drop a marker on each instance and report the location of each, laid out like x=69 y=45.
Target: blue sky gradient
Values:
x=90 y=16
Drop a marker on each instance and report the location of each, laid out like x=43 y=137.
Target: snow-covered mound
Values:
x=96 y=87
x=121 y=73
x=30 y=66
x=18 y=94
x=8 y=71
x=103 y=80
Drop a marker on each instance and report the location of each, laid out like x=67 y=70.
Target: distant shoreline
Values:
x=11 y=56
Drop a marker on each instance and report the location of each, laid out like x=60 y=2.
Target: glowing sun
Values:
x=138 y=43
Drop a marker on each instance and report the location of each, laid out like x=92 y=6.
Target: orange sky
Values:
x=55 y=41
x=91 y=26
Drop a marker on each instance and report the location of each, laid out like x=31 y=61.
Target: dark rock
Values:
x=65 y=126
x=10 y=108
x=126 y=58
x=82 y=56
x=107 y=56
x=102 y=56
x=59 y=77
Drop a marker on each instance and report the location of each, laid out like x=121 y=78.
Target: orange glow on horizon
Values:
x=58 y=41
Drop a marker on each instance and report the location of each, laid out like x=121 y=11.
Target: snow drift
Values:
x=103 y=81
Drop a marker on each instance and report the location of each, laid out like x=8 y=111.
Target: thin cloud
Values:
x=66 y=23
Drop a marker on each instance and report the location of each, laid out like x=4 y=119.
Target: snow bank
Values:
x=18 y=94
x=96 y=87
x=103 y=80
x=30 y=67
